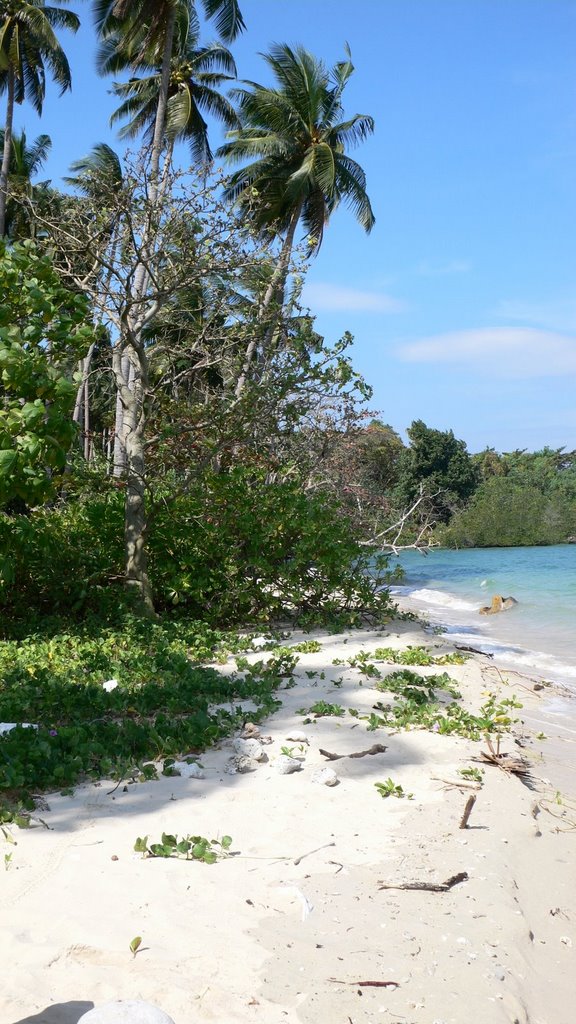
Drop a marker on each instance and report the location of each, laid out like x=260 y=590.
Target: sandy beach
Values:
x=307 y=921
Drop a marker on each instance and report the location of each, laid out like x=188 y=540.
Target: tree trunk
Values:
x=7 y=150
x=132 y=392
x=132 y=386
x=275 y=291
x=135 y=523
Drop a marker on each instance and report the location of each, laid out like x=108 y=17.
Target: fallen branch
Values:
x=462 y=876
x=467 y=811
x=459 y=784
x=507 y=762
x=378 y=748
x=310 y=852
x=473 y=650
x=367 y=984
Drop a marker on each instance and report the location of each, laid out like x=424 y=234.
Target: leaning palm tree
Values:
x=25 y=162
x=28 y=44
x=295 y=138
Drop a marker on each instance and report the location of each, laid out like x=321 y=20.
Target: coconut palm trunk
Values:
x=274 y=295
x=7 y=149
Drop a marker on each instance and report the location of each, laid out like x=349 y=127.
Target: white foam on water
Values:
x=443 y=608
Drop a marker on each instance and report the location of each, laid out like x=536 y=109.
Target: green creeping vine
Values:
x=165 y=703
x=198 y=848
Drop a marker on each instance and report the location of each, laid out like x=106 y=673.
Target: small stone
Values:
x=126 y=1011
x=326 y=777
x=285 y=765
x=249 y=748
x=566 y=940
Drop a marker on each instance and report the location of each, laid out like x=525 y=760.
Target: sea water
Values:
x=537 y=636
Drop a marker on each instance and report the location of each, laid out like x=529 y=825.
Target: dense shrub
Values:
x=233 y=549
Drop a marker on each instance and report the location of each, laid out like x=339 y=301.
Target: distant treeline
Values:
x=488 y=499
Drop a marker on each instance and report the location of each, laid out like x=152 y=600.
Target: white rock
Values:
x=8 y=726
x=110 y=685
x=285 y=765
x=189 y=771
x=249 y=748
x=326 y=777
x=126 y=1011
x=298 y=737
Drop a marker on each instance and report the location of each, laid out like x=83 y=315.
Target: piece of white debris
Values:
x=298 y=737
x=189 y=771
x=110 y=685
x=126 y=1011
x=326 y=777
x=285 y=764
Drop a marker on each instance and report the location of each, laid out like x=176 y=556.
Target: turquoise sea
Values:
x=538 y=636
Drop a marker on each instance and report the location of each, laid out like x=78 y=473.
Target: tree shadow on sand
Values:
x=59 y=1013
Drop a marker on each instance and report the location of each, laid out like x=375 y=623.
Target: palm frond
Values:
x=228 y=17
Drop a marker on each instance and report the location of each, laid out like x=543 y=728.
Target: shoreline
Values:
x=287 y=929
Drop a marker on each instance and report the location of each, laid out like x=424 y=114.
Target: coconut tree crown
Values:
x=28 y=44
x=295 y=136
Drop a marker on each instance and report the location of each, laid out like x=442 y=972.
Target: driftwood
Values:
x=507 y=762
x=367 y=984
x=472 y=650
x=310 y=852
x=378 y=748
x=462 y=876
x=467 y=811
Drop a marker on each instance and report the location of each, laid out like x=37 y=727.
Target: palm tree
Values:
x=25 y=162
x=146 y=34
x=195 y=76
x=28 y=45
x=295 y=138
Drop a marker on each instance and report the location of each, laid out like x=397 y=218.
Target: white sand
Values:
x=283 y=934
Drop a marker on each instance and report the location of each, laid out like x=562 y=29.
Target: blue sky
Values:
x=462 y=301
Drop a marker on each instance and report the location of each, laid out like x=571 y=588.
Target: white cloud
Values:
x=557 y=314
x=333 y=297
x=498 y=351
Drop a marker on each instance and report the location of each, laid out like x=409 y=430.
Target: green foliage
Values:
x=322 y=709
x=417 y=656
x=391 y=788
x=505 y=512
x=440 y=462
x=416 y=688
x=472 y=774
x=450 y=719
x=44 y=329
x=197 y=848
x=364 y=660
x=234 y=549
x=165 y=703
